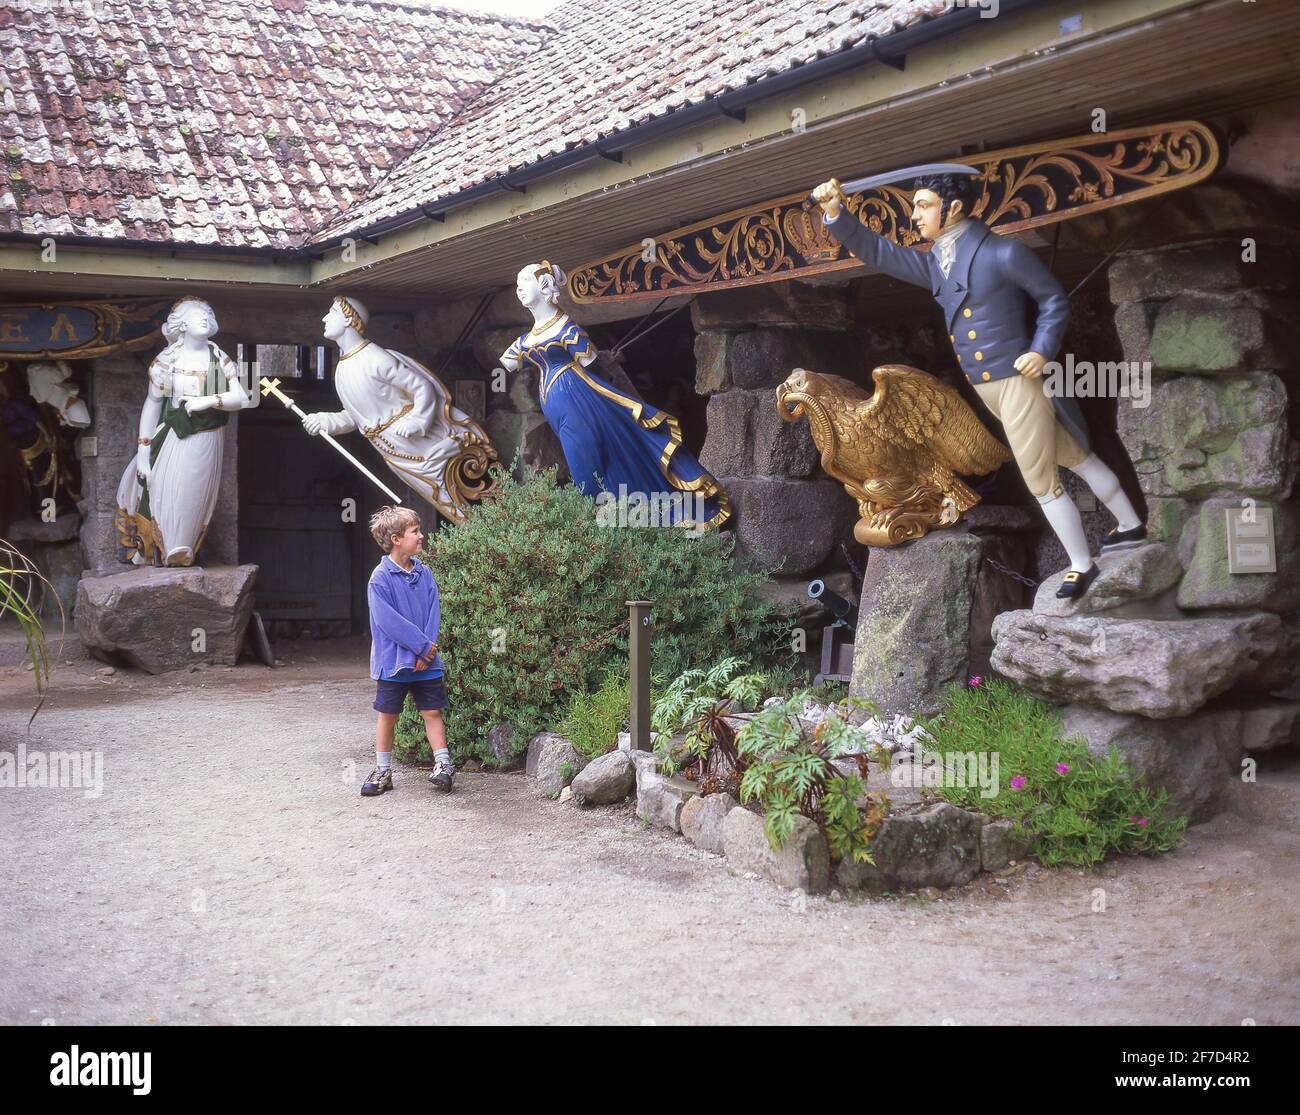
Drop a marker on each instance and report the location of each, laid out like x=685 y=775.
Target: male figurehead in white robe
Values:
x=405 y=412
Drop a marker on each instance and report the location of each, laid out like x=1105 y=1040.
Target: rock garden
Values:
x=811 y=788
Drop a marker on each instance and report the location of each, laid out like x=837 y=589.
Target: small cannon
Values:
x=837 y=637
x=834 y=603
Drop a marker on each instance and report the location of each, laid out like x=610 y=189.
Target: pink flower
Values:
x=1141 y=822
x=1018 y=783
x=975 y=680
x=1062 y=768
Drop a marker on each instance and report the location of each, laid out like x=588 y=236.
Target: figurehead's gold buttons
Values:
x=959 y=358
x=986 y=376
x=971 y=334
x=979 y=356
x=966 y=312
x=952 y=338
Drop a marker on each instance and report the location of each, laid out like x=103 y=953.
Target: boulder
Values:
x=999 y=845
x=702 y=820
x=788 y=527
x=1196 y=758
x=747 y=437
x=606 y=780
x=1222 y=333
x=500 y=744
x=1000 y=518
x=660 y=798
x=913 y=637
x=1206 y=436
x=162 y=619
x=554 y=762
x=802 y=863
x=1126 y=576
x=1208 y=584
x=712 y=362
x=1211 y=266
x=937 y=847
x=1157 y=668
x=765 y=357
x=1133 y=325
x=63 y=529
x=1166 y=517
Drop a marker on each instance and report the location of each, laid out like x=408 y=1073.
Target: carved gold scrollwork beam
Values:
x=1023 y=187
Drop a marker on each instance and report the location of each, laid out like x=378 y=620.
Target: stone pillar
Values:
x=927 y=608
x=1180 y=664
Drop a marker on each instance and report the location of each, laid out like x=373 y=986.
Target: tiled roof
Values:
x=226 y=122
x=275 y=123
x=615 y=64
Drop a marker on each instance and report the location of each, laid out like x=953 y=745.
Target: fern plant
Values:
x=701 y=704
x=789 y=770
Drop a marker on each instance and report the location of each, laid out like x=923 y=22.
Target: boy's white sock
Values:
x=442 y=755
x=383 y=759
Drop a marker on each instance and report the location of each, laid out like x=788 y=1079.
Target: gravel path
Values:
x=231 y=873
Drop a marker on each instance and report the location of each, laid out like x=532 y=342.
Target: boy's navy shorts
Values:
x=391 y=695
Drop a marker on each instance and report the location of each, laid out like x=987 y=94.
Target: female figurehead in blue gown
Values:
x=612 y=442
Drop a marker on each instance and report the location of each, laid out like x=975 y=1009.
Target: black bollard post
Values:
x=640 y=622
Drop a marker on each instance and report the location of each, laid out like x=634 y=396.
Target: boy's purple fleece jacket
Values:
x=404 y=616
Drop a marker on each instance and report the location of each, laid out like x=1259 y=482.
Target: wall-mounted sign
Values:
x=77 y=330
x=1251 y=545
x=1021 y=188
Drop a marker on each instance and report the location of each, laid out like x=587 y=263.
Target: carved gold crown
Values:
x=805 y=229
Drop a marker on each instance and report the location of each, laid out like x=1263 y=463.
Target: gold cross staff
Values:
x=272 y=387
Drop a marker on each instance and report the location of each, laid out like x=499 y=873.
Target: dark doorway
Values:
x=292 y=520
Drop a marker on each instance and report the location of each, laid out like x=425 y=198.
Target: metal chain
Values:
x=1011 y=573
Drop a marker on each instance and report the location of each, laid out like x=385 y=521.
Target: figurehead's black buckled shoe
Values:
x=1076 y=584
x=1124 y=539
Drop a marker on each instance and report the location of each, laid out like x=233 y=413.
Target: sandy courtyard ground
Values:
x=231 y=873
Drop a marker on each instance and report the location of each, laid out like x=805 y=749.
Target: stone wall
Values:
x=1183 y=666
x=790 y=519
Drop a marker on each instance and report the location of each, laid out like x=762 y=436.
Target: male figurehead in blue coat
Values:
x=1006 y=316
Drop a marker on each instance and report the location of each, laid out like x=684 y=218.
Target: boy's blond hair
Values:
x=388 y=521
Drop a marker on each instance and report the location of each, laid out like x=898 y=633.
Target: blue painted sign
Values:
x=77 y=330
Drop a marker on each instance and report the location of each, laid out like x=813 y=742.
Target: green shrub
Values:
x=594 y=720
x=1075 y=807
x=534 y=606
x=410 y=744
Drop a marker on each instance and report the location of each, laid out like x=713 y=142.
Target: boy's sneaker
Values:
x=379 y=782
x=442 y=776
